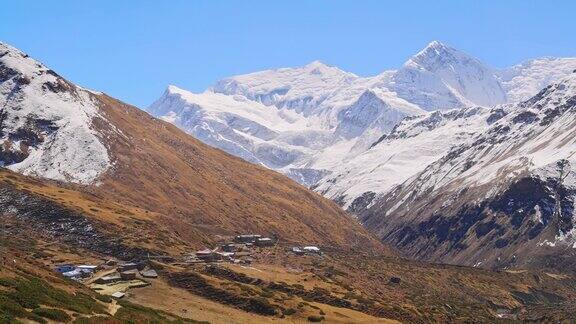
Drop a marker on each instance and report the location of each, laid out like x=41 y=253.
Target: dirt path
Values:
x=113 y=307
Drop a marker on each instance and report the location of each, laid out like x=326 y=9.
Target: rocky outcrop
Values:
x=505 y=198
x=56 y=223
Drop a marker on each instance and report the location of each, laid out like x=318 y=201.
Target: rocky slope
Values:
x=395 y=157
x=504 y=198
x=51 y=128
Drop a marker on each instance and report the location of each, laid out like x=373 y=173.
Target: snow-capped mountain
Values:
x=503 y=197
x=314 y=123
x=446 y=158
x=320 y=113
x=250 y=130
x=353 y=180
x=47 y=124
x=524 y=80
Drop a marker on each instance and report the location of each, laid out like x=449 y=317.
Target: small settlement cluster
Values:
x=110 y=278
x=114 y=278
x=241 y=250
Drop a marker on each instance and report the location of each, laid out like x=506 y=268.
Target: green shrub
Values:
x=30 y=293
x=53 y=314
x=289 y=311
x=6 y=282
x=104 y=298
x=315 y=318
x=10 y=309
x=266 y=294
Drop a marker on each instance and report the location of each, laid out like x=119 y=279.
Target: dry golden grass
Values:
x=83 y=202
x=426 y=293
x=199 y=191
x=185 y=304
x=134 y=226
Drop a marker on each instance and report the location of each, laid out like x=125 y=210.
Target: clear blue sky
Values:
x=133 y=49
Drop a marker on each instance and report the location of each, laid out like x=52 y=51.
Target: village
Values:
x=115 y=278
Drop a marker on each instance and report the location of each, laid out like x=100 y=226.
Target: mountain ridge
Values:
x=504 y=198
x=323 y=97
x=191 y=190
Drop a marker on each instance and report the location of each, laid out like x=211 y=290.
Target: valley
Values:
x=340 y=285
x=441 y=192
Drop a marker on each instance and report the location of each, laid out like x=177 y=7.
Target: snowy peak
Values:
x=418 y=141
x=46 y=123
x=435 y=55
x=438 y=56
x=316 y=64
x=15 y=60
x=312 y=118
x=172 y=89
x=441 y=77
x=257 y=133
x=322 y=70
x=20 y=71
x=355 y=119
x=375 y=110
x=19 y=62
x=300 y=89
x=162 y=106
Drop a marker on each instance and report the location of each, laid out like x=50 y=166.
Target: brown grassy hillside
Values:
x=71 y=134
x=32 y=293
x=43 y=224
x=199 y=191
